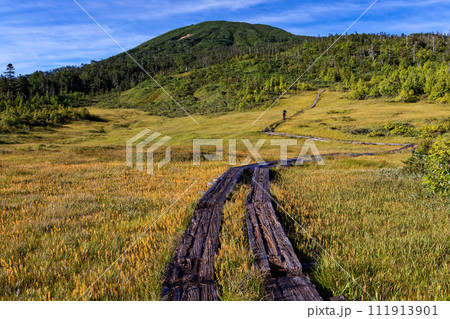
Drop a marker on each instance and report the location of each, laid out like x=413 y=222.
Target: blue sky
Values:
x=42 y=35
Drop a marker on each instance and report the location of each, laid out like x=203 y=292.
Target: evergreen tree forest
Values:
x=215 y=67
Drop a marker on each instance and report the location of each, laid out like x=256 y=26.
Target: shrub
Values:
x=402 y=129
x=407 y=96
x=415 y=164
x=359 y=91
x=437 y=167
x=306 y=86
x=359 y=131
x=377 y=133
x=434 y=129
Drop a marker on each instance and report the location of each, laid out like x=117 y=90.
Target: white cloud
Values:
x=52 y=33
x=309 y=12
x=410 y=3
x=150 y=10
x=59 y=45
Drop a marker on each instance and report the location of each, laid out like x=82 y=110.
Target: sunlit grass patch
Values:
x=378 y=224
x=237 y=277
x=66 y=216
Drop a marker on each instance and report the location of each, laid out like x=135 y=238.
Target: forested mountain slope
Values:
x=219 y=66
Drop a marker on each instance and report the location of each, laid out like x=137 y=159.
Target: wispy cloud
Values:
x=330 y=17
x=150 y=10
x=52 y=33
x=307 y=12
x=53 y=47
x=411 y=3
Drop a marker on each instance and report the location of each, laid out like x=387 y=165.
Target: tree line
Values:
x=218 y=78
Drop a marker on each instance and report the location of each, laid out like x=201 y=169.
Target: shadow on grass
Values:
x=309 y=258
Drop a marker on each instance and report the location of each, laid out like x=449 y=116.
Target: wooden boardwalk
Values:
x=273 y=251
x=190 y=274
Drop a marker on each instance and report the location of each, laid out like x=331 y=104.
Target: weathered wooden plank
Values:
x=271 y=242
x=273 y=251
x=190 y=274
x=292 y=288
x=256 y=239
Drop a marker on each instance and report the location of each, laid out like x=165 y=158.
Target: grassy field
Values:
x=70 y=207
x=335 y=116
x=66 y=215
x=379 y=225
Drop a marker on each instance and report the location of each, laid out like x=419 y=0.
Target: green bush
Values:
x=437 y=127
x=359 y=131
x=437 y=167
x=377 y=133
x=24 y=115
x=359 y=91
x=401 y=129
x=415 y=164
x=306 y=86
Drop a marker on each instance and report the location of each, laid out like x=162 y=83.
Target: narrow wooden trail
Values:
x=274 y=254
x=190 y=274
x=273 y=126
x=270 y=130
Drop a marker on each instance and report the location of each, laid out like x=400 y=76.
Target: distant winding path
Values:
x=270 y=130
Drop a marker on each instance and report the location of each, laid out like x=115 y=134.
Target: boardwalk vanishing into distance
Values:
x=190 y=274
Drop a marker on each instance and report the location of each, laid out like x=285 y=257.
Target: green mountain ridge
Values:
x=209 y=34
x=218 y=66
x=192 y=47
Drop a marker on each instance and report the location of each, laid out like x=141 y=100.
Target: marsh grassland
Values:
x=70 y=208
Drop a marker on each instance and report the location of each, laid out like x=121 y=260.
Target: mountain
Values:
x=192 y=47
x=213 y=35
x=218 y=66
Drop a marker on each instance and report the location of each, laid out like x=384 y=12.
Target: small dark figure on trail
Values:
x=284 y=115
